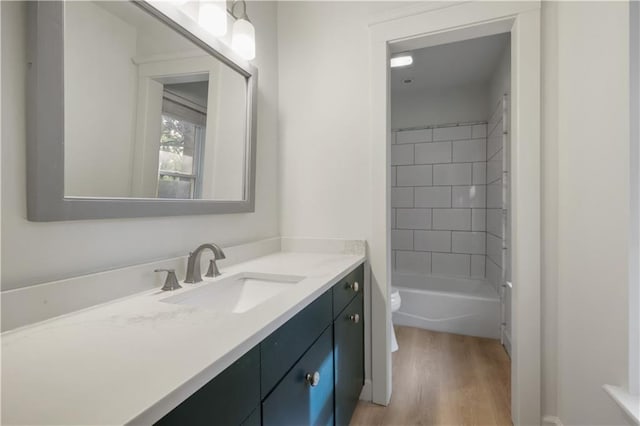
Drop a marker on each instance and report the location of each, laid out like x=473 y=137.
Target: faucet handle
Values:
x=171 y=283
x=213 y=270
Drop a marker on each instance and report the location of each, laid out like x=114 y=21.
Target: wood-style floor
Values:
x=444 y=379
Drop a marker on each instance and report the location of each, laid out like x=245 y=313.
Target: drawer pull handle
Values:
x=355 y=318
x=355 y=286
x=312 y=379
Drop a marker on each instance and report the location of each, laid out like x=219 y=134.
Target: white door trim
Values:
x=523 y=19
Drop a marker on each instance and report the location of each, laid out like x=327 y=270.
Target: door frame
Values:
x=438 y=24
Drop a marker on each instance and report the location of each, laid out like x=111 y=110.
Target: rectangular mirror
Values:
x=135 y=111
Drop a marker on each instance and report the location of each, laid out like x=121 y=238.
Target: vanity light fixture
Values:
x=243 y=35
x=213 y=17
x=403 y=60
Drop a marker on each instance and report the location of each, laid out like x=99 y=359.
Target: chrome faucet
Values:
x=193 y=263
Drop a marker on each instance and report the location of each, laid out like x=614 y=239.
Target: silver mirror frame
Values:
x=45 y=130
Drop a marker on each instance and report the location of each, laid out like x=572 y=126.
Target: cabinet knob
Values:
x=355 y=318
x=312 y=379
x=355 y=286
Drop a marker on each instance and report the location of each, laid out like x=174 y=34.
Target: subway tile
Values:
x=470 y=150
x=494 y=195
x=401 y=154
x=414 y=175
x=493 y=273
x=393 y=218
x=394 y=173
x=494 y=143
x=479 y=173
x=479 y=131
x=451 y=264
x=414 y=136
x=413 y=262
x=469 y=196
x=478 y=219
x=393 y=137
x=494 y=167
x=437 y=196
x=494 y=222
x=467 y=242
x=413 y=219
x=494 y=125
x=401 y=197
x=401 y=239
x=452 y=219
x=452 y=174
x=452 y=133
x=433 y=153
x=494 y=249
x=433 y=241
x=478 y=265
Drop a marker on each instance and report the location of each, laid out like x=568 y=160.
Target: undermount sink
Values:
x=237 y=293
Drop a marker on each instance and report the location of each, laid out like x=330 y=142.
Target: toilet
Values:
x=395 y=305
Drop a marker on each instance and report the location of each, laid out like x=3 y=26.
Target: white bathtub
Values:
x=448 y=304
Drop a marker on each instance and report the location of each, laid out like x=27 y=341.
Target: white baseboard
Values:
x=367 y=391
x=551 y=421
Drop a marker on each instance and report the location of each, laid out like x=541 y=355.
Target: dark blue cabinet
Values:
x=276 y=383
x=286 y=345
x=305 y=394
x=348 y=353
x=228 y=399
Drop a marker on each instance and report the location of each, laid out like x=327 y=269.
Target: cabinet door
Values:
x=349 y=359
x=295 y=401
x=228 y=399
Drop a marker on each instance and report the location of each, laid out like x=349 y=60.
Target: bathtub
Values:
x=449 y=304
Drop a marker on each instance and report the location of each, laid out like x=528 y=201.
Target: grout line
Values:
x=440 y=126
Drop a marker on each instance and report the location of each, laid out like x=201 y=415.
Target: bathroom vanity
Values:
x=308 y=371
x=165 y=357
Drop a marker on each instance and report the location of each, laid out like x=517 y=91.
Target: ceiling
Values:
x=451 y=65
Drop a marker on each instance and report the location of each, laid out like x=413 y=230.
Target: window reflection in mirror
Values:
x=148 y=113
x=184 y=118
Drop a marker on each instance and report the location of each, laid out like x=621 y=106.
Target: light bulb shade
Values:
x=213 y=17
x=243 y=39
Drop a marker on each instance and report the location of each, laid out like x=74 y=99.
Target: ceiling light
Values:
x=213 y=17
x=401 y=61
x=243 y=36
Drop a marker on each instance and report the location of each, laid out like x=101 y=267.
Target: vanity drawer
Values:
x=228 y=399
x=347 y=288
x=295 y=401
x=286 y=345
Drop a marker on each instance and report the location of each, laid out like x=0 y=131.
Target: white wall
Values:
x=324 y=91
x=98 y=75
x=40 y=252
x=229 y=159
x=593 y=208
x=430 y=107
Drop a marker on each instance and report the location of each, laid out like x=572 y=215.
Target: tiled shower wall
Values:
x=438 y=200
x=496 y=209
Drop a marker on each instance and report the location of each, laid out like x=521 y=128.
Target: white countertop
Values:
x=134 y=359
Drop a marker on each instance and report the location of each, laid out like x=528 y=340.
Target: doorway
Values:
x=438 y=25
